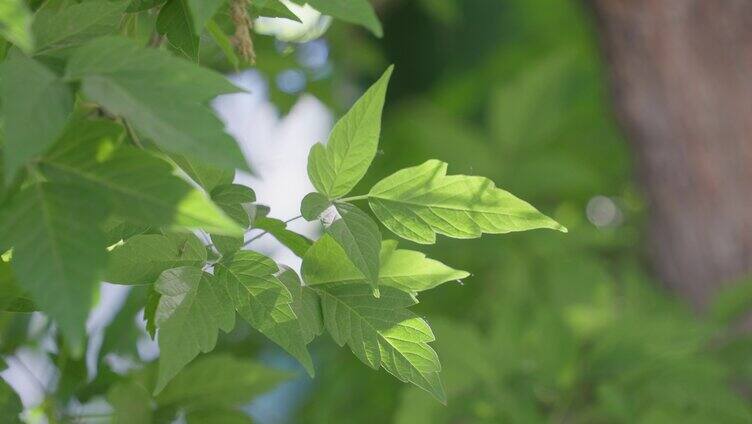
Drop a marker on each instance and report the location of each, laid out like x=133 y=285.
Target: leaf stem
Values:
x=132 y=134
x=262 y=234
x=353 y=198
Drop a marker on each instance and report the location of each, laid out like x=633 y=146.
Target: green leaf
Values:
x=234 y=200
x=360 y=238
x=359 y=12
x=164 y=97
x=224 y=43
x=227 y=245
x=36 y=106
x=139 y=5
x=407 y=270
x=72 y=25
x=58 y=251
x=297 y=243
x=10 y=404
x=206 y=176
x=12 y=297
x=192 y=310
x=382 y=332
x=202 y=11
x=313 y=205
x=262 y=300
x=336 y=168
x=15 y=24
x=175 y=22
x=305 y=304
x=120 y=335
x=273 y=9
x=213 y=416
x=131 y=403
x=144 y=257
x=223 y=381
x=417 y=203
x=140 y=187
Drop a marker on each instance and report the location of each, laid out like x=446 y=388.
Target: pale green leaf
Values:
x=305 y=303
x=407 y=270
x=36 y=106
x=297 y=243
x=313 y=205
x=175 y=22
x=78 y=22
x=336 y=168
x=358 y=12
x=59 y=252
x=144 y=257
x=140 y=187
x=273 y=9
x=417 y=203
x=191 y=311
x=223 y=380
x=360 y=238
x=382 y=332
x=202 y=11
x=262 y=300
x=164 y=97
x=15 y=24
x=131 y=403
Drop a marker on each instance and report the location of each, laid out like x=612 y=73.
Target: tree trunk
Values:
x=681 y=73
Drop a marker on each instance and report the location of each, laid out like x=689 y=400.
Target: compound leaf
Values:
x=417 y=203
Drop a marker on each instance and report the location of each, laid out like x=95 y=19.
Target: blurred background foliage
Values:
x=550 y=327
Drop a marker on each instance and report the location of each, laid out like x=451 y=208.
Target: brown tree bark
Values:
x=681 y=76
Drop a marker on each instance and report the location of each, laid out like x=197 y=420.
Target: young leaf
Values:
x=143 y=258
x=192 y=310
x=140 y=187
x=262 y=300
x=418 y=202
x=313 y=205
x=15 y=24
x=359 y=12
x=297 y=243
x=58 y=251
x=36 y=106
x=305 y=304
x=164 y=97
x=58 y=29
x=273 y=9
x=334 y=169
x=224 y=381
x=175 y=22
x=360 y=238
x=382 y=332
x=408 y=270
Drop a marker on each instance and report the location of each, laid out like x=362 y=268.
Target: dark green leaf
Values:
x=139 y=5
x=202 y=11
x=144 y=257
x=34 y=119
x=305 y=304
x=164 y=97
x=175 y=22
x=76 y=23
x=59 y=252
x=10 y=404
x=192 y=310
x=272 y=9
